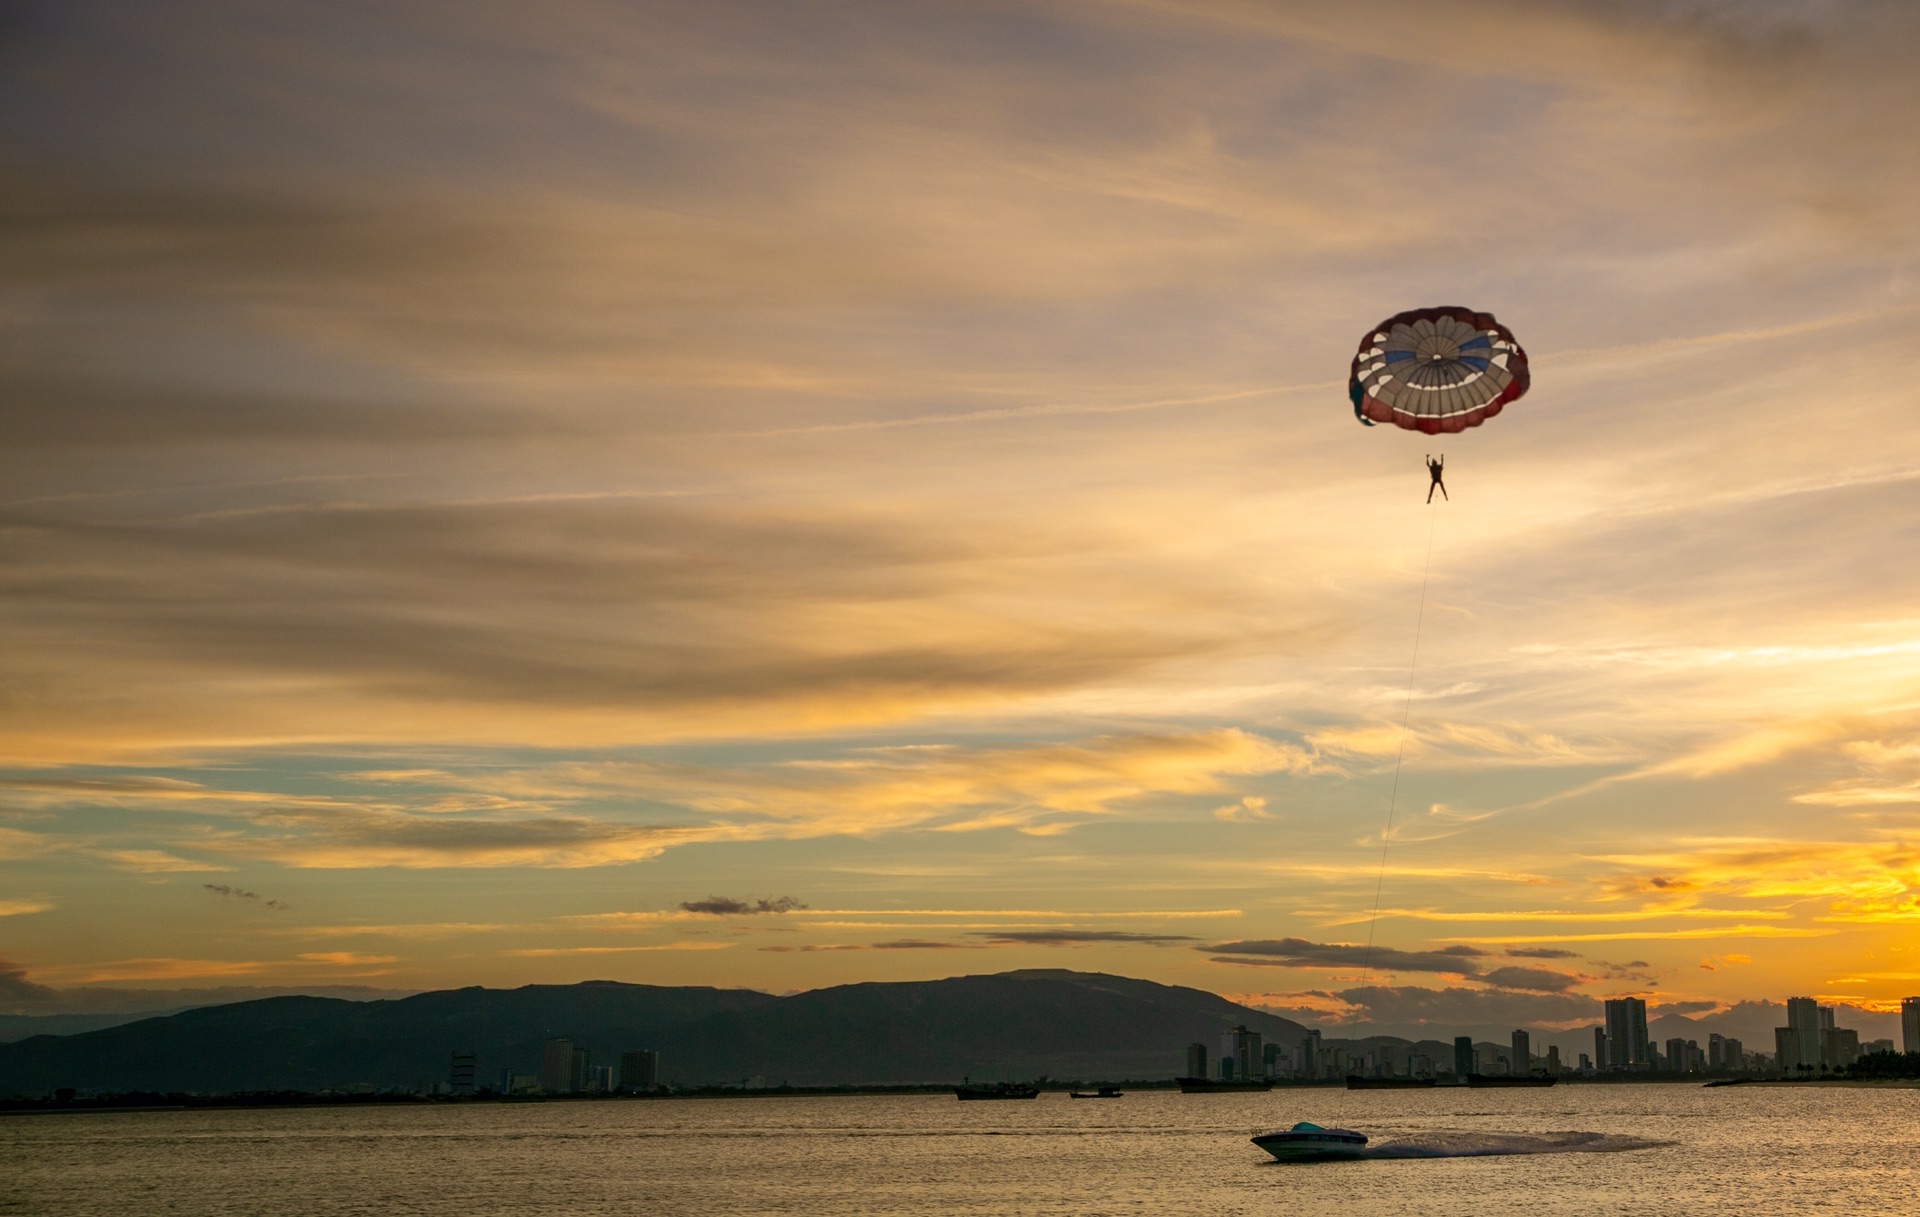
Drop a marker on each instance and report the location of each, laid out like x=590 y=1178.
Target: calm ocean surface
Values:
x=1737 y=1150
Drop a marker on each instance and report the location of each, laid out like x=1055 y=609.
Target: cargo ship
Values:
x=1211 y=1086
x=1482 y=1081
x=1356 y=1082
x=997 y=1090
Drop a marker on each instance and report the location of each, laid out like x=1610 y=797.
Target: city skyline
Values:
x=700 y=494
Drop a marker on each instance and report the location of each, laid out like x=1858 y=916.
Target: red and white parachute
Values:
x=1436 y=370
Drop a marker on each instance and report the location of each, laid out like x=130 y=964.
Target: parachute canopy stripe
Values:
x=1413 y=371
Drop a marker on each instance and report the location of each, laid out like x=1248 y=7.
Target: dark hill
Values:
x=1013 y=1025
x=315 y=1043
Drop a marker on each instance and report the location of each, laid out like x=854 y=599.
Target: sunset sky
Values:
x=476 y=478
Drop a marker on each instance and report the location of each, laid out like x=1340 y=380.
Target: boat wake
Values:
x=1496 y=1144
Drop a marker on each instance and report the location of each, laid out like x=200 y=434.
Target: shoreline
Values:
x=282 y=1100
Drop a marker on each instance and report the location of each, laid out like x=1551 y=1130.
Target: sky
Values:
x=779 y=495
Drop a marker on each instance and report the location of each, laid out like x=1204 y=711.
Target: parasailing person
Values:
x=1436 y=371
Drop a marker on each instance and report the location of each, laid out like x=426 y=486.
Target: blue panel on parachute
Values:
x=1471 y=343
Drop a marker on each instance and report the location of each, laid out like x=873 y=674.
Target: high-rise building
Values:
x=1599 y=1048
x=1553 y=1059
x=1627 y=1034
x=640 y=1069
x=1839 y=1047
x=1310 y=1055
x=460 y=1073
x=1521 y=1062
x=1786 y=1050
x=563 y=1068
x=1716 y=1052
x=1805 y=1022
x=1910 y=1024
x=1242 y=1047
x=1196 y=1060
x=1733 y=1055
x=1677 y=1055
x=1462 y=1055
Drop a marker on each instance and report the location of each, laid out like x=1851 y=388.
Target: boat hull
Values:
x=967 y=1094
x=1209 y=1086
x=1483 y=1082
x=1356 y=1082
x=1325 y=1145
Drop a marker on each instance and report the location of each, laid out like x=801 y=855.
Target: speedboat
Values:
x=1311 y=1143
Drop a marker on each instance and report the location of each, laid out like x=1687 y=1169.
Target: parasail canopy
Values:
x=1436 y=370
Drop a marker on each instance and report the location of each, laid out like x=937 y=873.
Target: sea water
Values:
x=1586 y=1149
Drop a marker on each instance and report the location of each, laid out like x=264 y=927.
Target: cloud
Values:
x=1534 y=980
x=155 y=862
x=16 y=989
x=1890 y=776
x=722 y=906
x=1455 y=1007
x=1300 y=953
x=549 y=952
x=347 y=959
x=1072 y=938
x=23 y=907
x=237 y=893
x=1249 y=809
x=900 y=944
x=1541 y=953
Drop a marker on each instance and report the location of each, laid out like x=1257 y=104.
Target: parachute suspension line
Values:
x=1393 y=798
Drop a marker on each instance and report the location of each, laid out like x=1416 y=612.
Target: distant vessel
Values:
x=1481 y=1081
x=997 y=1090
x=1210 y=1086
x=1311 y=1143
x=1105 y=1092
x=1356 y=1082
x=1729 y=1082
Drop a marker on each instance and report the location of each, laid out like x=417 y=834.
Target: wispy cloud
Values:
x=1075 y=938
x=1300 y=953
x=723 y=906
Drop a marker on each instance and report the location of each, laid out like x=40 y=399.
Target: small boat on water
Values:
x=997 y=1090
x=1356 y=1082
x=1211 y=1086
x=1306 y=1142
x=1481 y=1081
x=1727 y=1082
x=1105 y=1092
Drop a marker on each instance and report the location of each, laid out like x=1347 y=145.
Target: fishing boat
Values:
x=1212 y=1086
x=1306 y=1142
x=1481 y=1081
x=1105 y=1092
x=997 y=1090
x=1356 y=1082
